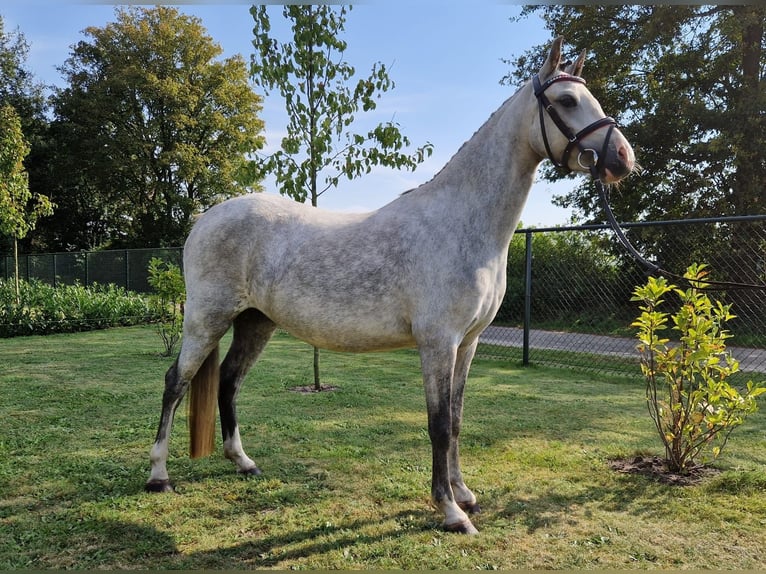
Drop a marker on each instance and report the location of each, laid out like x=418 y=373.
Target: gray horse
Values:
x=427 y=271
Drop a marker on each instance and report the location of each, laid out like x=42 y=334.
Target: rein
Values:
x=707 y=285
x=594 y=167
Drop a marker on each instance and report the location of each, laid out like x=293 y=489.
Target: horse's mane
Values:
x=465 y=143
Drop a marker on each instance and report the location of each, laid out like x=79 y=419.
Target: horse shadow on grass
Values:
x=52 y=541
x=339 y=538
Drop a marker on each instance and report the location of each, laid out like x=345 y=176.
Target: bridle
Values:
x=595 y=163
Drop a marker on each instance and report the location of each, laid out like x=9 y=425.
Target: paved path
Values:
x=749 y=359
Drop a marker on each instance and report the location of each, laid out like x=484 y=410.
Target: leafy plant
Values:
x=167 y=301
x=43 y=309
x=691 y=401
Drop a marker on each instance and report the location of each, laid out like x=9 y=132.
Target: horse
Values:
x=425 y=271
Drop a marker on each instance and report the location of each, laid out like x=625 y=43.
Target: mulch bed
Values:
x=654 y=467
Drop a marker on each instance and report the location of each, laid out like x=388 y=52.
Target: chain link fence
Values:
x=127 y=268
x=568 y=298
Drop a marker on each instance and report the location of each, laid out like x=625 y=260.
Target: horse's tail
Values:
x=203 y=398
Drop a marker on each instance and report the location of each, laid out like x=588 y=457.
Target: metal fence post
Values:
x=527 y=297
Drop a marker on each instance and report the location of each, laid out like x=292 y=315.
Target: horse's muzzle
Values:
x=618 y=159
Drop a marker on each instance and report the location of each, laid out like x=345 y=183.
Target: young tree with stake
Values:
x=19 y=210
x=321 y=101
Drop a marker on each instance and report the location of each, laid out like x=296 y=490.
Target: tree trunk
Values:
x=317 y=382
x=748 y=120
x=16 y=269
x=314 y=175
x=749 y=180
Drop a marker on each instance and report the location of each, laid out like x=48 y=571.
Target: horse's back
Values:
x=333 y=279
x=263 y=225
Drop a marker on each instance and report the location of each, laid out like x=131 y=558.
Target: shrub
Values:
x=167 y=301
x=691 y=401
x=44 y=309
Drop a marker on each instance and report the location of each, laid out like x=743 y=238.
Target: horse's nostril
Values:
x=625 y=154
x=622 y=153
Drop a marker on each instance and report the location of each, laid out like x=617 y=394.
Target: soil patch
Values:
x=654 y=467
x=308 y=389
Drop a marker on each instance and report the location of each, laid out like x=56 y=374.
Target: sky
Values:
x=444 y=57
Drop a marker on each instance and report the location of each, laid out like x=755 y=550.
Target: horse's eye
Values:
x=568 y=101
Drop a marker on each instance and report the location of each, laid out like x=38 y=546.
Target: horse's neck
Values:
x=490 y=176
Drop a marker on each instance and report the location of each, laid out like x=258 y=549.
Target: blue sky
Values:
x=445 y=58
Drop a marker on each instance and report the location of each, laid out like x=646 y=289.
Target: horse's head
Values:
x=570 y=127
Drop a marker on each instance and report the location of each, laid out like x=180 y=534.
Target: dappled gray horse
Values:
x=427 y=271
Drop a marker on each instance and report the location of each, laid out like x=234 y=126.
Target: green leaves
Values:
x=688 y=390
x=44 y=309
x=167 y=301
x=162 y=128
x=322 y=103
x=19 y=210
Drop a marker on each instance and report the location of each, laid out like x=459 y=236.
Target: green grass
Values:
x=346 y=474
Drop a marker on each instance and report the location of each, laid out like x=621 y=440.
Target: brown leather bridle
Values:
x=595 y=165
x=595 y=162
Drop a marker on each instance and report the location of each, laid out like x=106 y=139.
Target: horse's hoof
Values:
x=159 y=486
x=252 y=471
x=470 y=507
x=464 y=527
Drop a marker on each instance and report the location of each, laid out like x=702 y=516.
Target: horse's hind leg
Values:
x=198 y=350
x=252 y=330
x=159 y=481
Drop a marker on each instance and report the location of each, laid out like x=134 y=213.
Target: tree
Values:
x=152 y=129
x=17 y=85
x=19 y=89
x=19 y=210
x=686 y=84
x=321 y=102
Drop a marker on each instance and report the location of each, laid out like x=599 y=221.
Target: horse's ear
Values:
x=551 y=64
x=576 y=68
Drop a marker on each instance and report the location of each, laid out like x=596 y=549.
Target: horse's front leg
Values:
x=463 y=495
x=438 y=365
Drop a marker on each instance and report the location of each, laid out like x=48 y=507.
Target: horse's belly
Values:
x=359 y=336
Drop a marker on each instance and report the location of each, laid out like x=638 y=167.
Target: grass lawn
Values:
x=346 y=474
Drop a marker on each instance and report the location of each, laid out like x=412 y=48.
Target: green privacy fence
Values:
x=125 y=268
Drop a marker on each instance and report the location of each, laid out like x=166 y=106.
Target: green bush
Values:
x=44 y=309
x=167 y=301
x=690 y=398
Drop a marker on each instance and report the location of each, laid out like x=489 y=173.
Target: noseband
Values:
x=595 y=164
